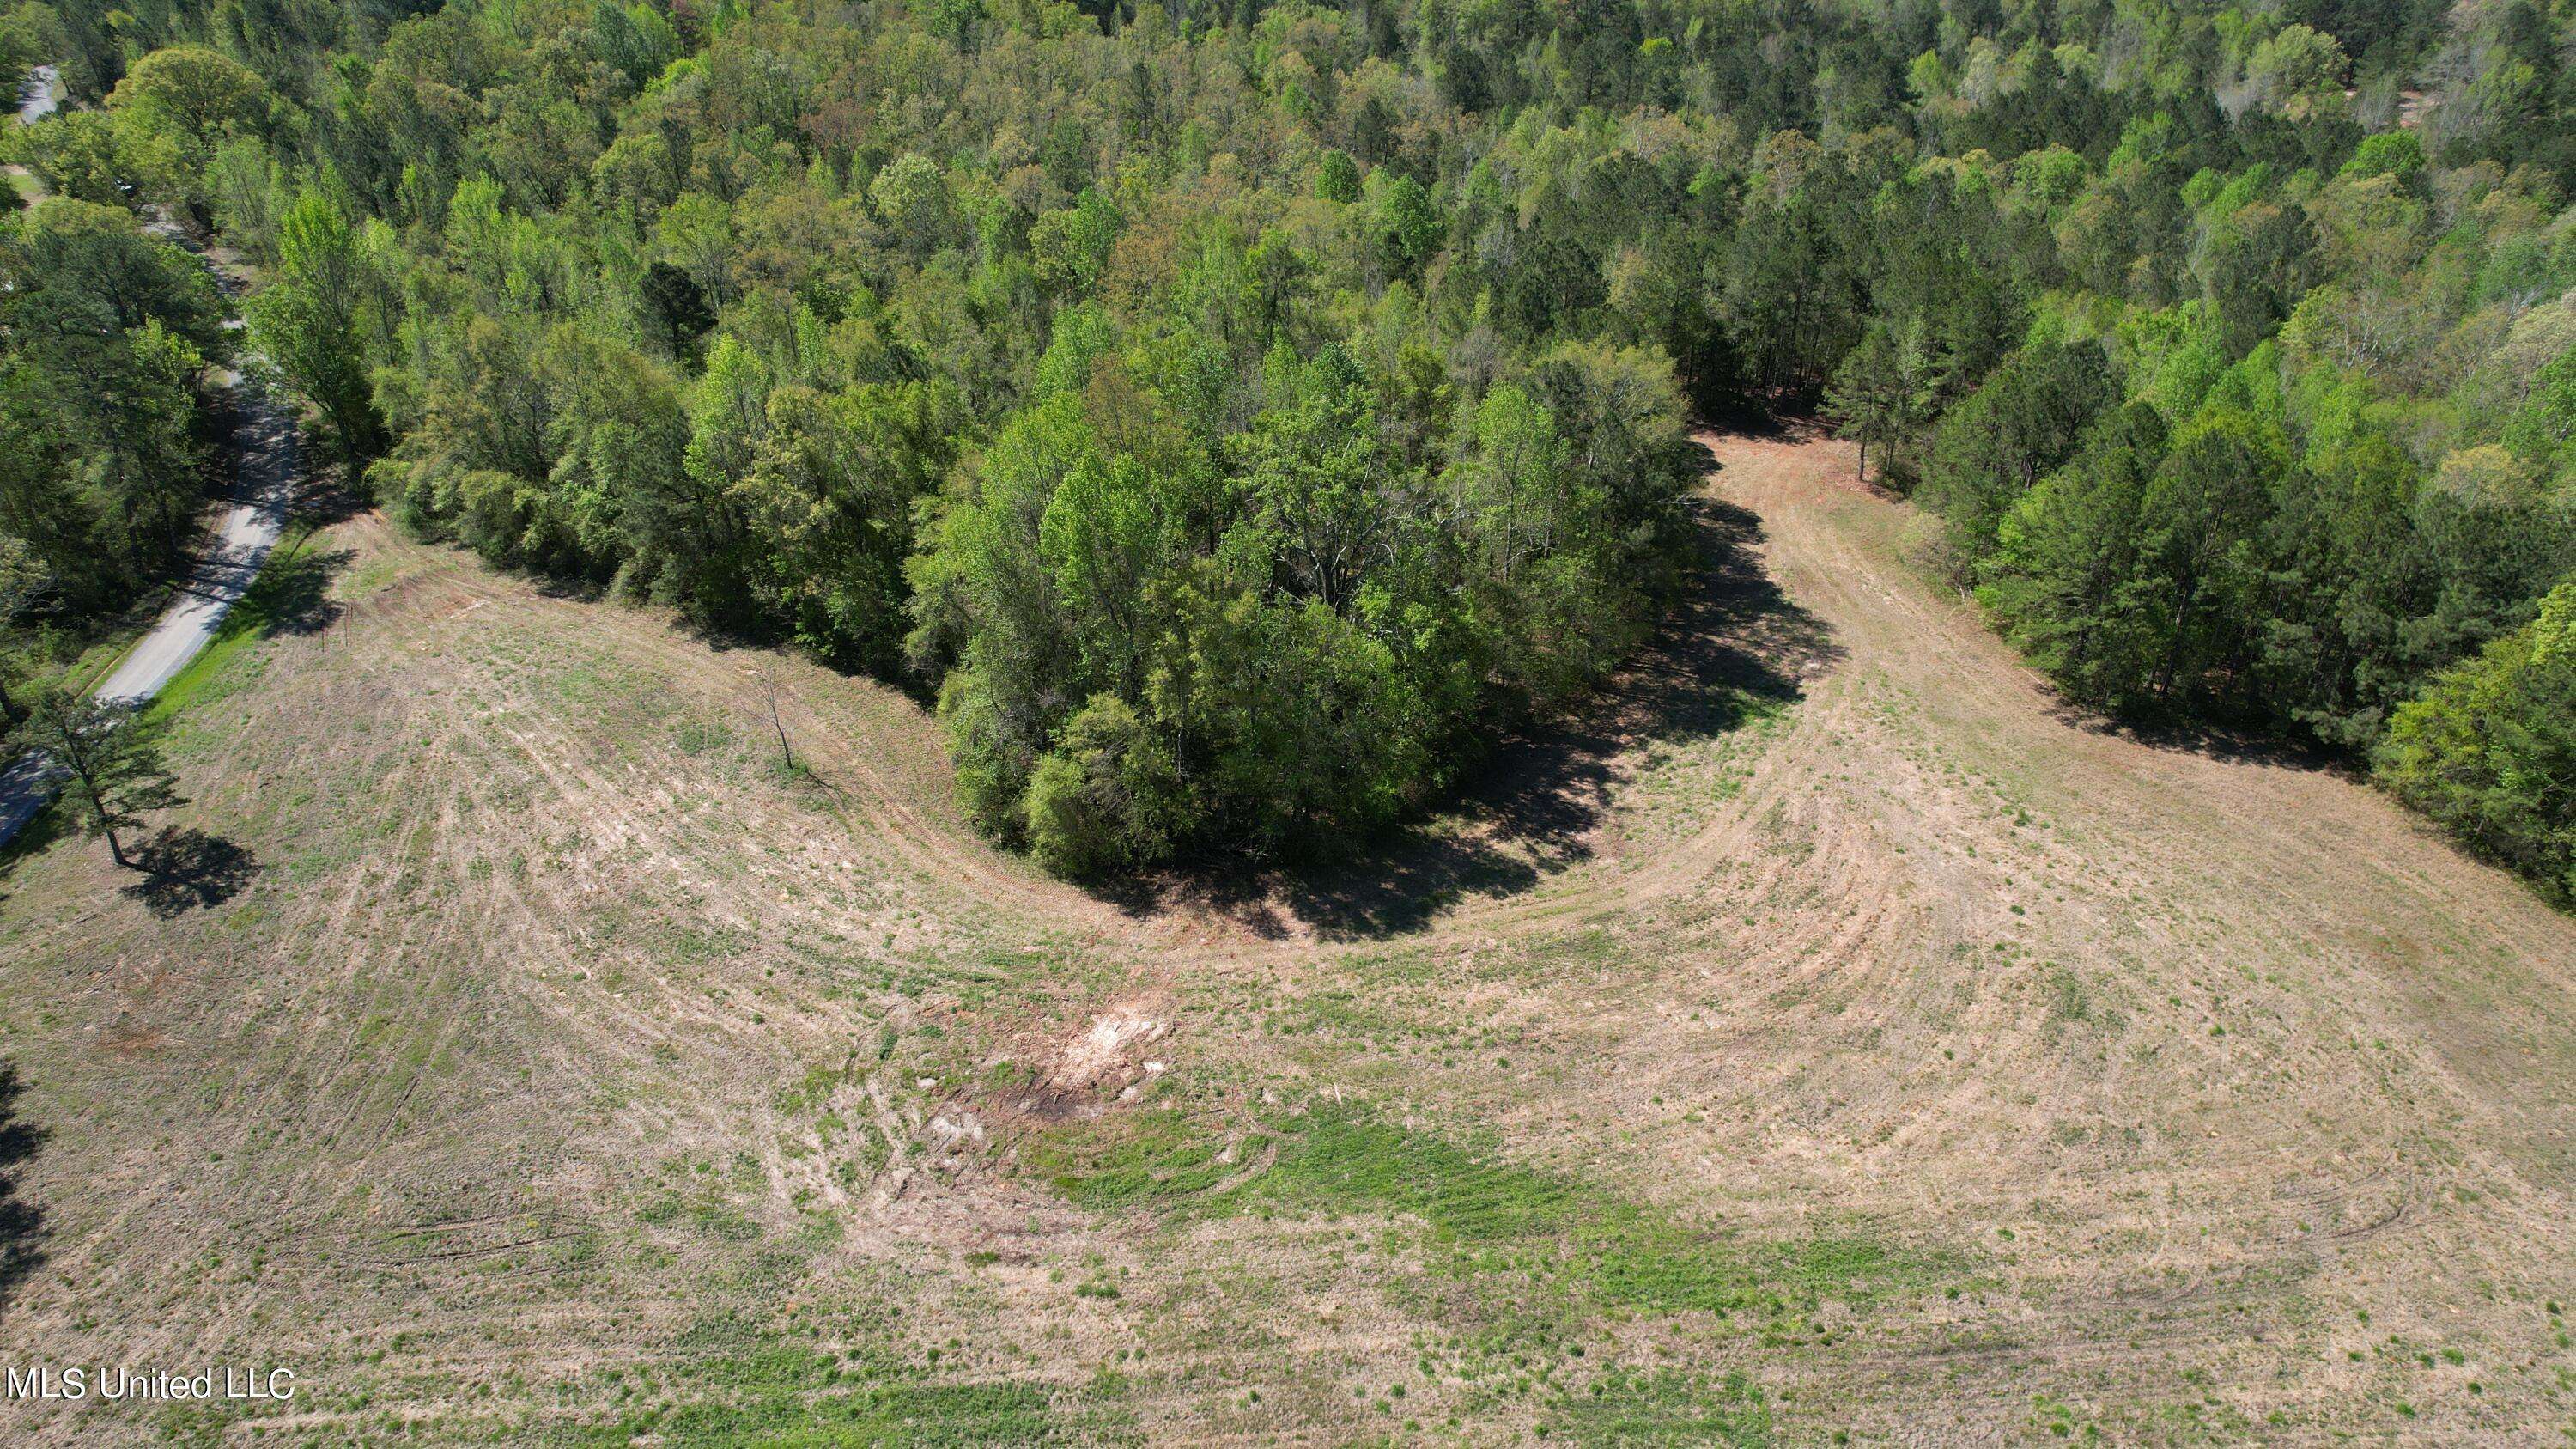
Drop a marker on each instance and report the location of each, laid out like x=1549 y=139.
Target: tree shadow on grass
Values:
x=187 y=870
x=1731 y=646
x=2245 y=744
x=293 y=595
x=324 y=493
x=22 y=1223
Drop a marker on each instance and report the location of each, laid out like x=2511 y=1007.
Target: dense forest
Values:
x=1233 y=411
x=107 y=416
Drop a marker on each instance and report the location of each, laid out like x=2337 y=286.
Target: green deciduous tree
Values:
x=2542 y=433
x=197 y=94
x=308 y=319
x=1104 y=798
x=2489 y=749
x=22 y=577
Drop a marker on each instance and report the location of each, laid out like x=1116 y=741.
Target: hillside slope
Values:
x=1832 y=1035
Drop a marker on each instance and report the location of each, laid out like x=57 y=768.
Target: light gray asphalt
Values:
x=266 y=444
x=36 y=95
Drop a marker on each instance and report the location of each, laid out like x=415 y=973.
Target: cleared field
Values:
x=1832 y=1037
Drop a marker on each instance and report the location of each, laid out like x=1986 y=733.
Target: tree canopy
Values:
x=1231 y=413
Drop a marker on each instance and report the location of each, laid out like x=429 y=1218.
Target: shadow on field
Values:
x=187 y=870
x=1732 y=644
x=293 y=595
x=2246 y=745
x=22 y=1223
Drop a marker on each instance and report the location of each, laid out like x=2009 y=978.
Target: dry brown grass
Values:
x=568 y=1068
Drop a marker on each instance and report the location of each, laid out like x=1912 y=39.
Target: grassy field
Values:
x=1830 y=1040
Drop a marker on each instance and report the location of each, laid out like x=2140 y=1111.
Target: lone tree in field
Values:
x=113 y=757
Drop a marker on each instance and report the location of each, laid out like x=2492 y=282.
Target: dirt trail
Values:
x=2298 y=845
x=1936 y=950
x=1934 y=797
x=2295 y=843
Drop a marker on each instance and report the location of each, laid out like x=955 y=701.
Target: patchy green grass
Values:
x=785 y=1397
x=289 y=593
x=1666 y=1406
x=770 y=1397
x=1680 y=785
x=900 y=1413
x=1482 y=1216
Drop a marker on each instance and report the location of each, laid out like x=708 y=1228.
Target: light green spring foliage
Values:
x=2489 y=748
x=1234 y=415
x=105 y=334
x=306 y=319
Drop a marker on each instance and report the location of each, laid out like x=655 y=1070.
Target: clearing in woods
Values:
x=1831 y=1036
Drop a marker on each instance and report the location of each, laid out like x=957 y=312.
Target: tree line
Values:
x=109 y=337
x=1232 y=411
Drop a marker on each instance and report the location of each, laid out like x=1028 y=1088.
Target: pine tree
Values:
x=1862 y=398
x=1886 y=390
x=112 y=755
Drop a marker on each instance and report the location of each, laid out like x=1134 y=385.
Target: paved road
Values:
x=264 y=441
x=266 y=480
x=36 y=95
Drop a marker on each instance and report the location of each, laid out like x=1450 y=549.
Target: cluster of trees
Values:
x=2489 y=747
x=2295 y=455
x=1231 y=411
x=1102 y=376
x=106 y=337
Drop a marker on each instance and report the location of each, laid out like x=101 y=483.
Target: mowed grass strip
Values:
x=288 y=593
